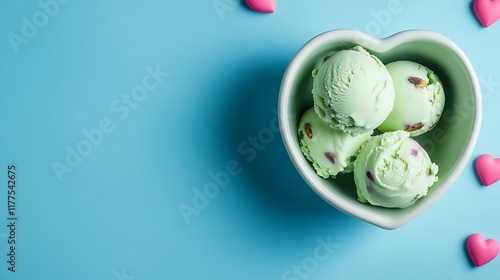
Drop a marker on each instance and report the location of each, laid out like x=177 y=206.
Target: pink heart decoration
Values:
x=488 y=169
x=263 y=6
x=482 y=251
x=487 y=11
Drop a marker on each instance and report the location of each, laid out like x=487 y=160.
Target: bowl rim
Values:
x=380 y=45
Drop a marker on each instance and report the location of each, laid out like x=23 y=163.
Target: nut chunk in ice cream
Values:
x=329 y=150
x=353 y=91
x=419 y=99
x=392 y=170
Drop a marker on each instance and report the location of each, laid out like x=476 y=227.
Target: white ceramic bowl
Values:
x=449 y=144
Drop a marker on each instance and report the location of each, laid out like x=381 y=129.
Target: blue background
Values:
x=117 y=214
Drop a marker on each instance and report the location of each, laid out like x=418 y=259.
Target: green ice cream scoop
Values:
x=329 y=150
x=353 y=91
x=419 y=99
x=392 y=170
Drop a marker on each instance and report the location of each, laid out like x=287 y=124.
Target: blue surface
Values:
x=115 y=213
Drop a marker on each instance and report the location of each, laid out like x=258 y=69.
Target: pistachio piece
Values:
x=369 y=175
x=410 y=128
x=308 y=130
x=330 y=156
x=419 y=83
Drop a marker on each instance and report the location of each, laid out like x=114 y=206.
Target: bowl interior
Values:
x=449 y=144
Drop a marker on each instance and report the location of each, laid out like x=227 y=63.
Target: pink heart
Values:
x=487 y=11
x=488 y=169
x=263 y=6
x=481 y=251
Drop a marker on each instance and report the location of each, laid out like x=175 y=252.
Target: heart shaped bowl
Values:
x=449 y=144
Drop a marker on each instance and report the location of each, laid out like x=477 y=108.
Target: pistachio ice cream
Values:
x=419 y=98
x=393 y=170
x=353 y=91
x=329 y=150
